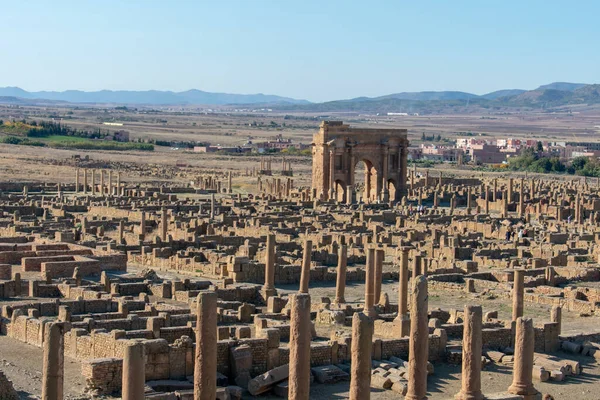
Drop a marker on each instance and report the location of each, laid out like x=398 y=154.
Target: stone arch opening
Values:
x=365 y=180
x=364 y=159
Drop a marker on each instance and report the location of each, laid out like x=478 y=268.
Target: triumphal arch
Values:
x=337 y=149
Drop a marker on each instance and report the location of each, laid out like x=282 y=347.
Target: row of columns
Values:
x=104 y=189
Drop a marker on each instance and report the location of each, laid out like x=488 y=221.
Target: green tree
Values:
x=540 y=147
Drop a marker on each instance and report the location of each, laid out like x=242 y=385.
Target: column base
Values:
x=267 y=292
x=402 y=325
x=469 y=396
x=528 y=392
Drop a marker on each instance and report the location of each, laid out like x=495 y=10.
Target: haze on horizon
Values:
x=310 y=50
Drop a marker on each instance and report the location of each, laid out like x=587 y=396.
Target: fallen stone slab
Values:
x=282 y=389
x=329 y=374
x=400 y=388
x=265 y=382
x=540 y=374
x=384 y=364
x=380 y=382
x=344 y=367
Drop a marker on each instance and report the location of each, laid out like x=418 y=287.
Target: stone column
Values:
x=521 y=199
x=416 y=269
x=331 y=175
x=229 y=186
x=143 y=224
x=471 y=355
x=510 y=189
x=134 y=372
x=370 y=284
x=85 y=180
x=300 y=337
x=518 y=293
x=102 y=182
x=379 y=256
x=349 y=194
x=522 y=371
x=418 y=347
x=205 y=369
x=121 y=227
x=77 y=180
x=341 y=275
x=556 y=316
x=119 y=183
x=93 y=182
x=269 y=286
x=305 y=272
x=164 y=225
x=469 y=200
x=212 y=205
x=360 y=367
x=385 y=193
x=403 y=318
x=110 y=188
x=54 y=362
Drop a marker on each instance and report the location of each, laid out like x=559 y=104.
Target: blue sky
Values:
x=317 y=50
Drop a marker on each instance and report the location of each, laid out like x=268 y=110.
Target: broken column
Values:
x=403 y=318
x=523 y=361
x=379 y=256
x=521 y=199
x=143 y=224
x=305 y=272
x=340 y=286
x=54 y=362
x=300 y=337
x=212 y=205
x=471 y=355
x=121 y=228
x=360 y=366
x=164 y=225
x=370 y=284
x=556 y=316
x=418 y=347
x=518 y=293
x=205 y=369
x=269 y=287
x=134 y=372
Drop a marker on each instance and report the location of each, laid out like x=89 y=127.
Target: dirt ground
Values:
x=22 y=364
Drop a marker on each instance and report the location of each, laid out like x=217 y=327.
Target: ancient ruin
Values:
x=202 y=291
x=338 y=148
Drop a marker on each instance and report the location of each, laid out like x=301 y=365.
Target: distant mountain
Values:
x=433 y=102
x=428 y=96
x=11 y=100
x=557 y=94
x=152 y=97
x=566 y=86
x=502 y=93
